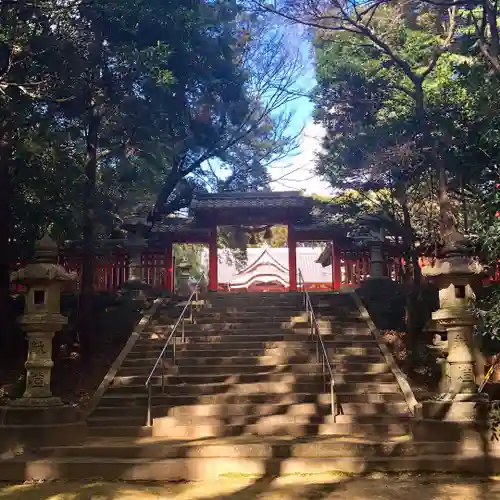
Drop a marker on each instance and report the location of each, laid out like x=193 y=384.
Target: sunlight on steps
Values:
x=247 y=394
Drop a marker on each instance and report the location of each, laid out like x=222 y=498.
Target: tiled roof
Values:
x=176 y=224
x=271 y=261
x=287 y=199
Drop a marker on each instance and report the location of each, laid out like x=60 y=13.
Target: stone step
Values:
x=250 y=348
x=289 y=384
x=274 y=425
x=253 y=340
x=283 y=355
x=210 y=316
x=162 y=417
x=245 y=309
x=121 y=431
x=275 y=336
x=251 y=297
x=265 y=326
x=202 y=468
x=220 y=372
x=361 y=335
x=340 y=362
x=245 y=305
x=236 y=380
x=335 y=297
x=237 y=448
x=359 y=339
x=359 y=412
x=250 y=320
x=254 y=398
x=129 y=400
x=223 y=379
x=270 y=309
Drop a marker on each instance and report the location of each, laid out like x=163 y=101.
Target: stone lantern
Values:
x=184 y=279
x=135 y=284
x=455 y=273
x=378 y=268
x=44 y=280
x=38 y=418
x=374 y=239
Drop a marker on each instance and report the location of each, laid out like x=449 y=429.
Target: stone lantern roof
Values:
x=44 y=267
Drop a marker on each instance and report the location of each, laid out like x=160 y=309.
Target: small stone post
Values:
x=454 y=274
x=44 y=280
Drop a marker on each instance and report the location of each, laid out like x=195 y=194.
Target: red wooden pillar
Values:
x=212 y=261
x=336 y=268
x=292 y=259
x=169 y=264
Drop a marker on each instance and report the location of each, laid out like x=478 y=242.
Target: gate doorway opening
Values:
x=263 y=262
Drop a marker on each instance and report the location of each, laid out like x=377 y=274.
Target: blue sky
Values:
x=296 y=171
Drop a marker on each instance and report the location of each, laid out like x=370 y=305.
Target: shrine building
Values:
x=265 y=269
x=341 y=261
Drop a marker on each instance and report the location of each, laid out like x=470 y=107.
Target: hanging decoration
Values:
x=239 y=237
x=253 y=231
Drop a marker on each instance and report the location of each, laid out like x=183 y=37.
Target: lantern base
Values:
x=135 y=291
x=28 y=402
x=456 y=408
x=25 y=428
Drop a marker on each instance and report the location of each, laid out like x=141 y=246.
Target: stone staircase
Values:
x=247 y=395
x=249 y=367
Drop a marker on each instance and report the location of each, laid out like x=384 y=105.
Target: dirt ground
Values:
x=321 y=487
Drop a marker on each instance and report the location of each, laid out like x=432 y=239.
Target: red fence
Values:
x=112 y=271
x=355 y=267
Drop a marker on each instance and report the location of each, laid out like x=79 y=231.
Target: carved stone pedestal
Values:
x=39 y=364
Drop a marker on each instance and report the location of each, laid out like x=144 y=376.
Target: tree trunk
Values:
x=86 y=323
x=447 y=225
x=5 y=192
x=465 y=207
x=413 y=296
x=403 y=200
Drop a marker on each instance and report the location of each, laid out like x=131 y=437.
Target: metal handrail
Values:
x=180 y=321
x=325 y=364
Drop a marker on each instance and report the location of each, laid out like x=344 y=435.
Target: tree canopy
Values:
x=112 y=105
x=407 y=95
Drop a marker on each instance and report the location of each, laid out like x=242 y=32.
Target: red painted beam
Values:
x=213 y=262
x=292 y=258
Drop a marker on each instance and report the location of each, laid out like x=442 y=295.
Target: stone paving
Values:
x=328 y=487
